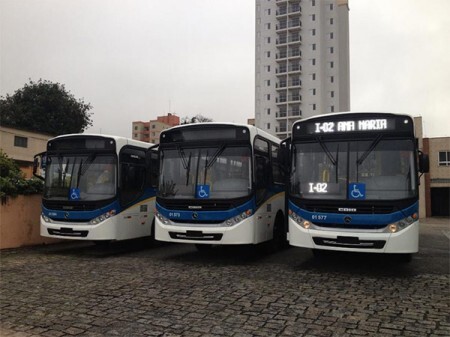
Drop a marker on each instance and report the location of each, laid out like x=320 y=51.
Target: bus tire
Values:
x=404 y=258
x=279 y=239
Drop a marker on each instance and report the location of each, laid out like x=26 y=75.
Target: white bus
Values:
x=98 y=188
x=354 y=183
x=220 y=184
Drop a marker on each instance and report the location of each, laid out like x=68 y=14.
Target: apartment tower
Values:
x=302 y=61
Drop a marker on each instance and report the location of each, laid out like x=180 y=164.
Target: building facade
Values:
x=301 y=60
x=149 y=131
x=22 y=145
x=437 y=181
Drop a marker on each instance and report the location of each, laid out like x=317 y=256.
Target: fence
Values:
x=19 y=222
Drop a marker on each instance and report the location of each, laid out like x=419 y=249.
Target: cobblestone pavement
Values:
x=132 y=289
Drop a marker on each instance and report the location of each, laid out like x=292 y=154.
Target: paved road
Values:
x=133 y=289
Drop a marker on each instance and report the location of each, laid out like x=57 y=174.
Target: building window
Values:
x=313 y=91
x=268 y=11
x=313 y=46
x=331 y=21
x=331 y=35
x=267 y=68
x=268 y=54
x=313 y=17
x=313 y=76
x=332 y=94
x=268 y=97
x=331 y=64
x=331 y=50
x=332 y=79
x=268 y=40
x=268 y=111
x=331 y=7
x=268 y=126
x=20 y=141
x=332 y=108
x=313 y=3
x=135 y=135
x=313 y=32
x=313 y=62
x=267 y=83
x=135 y=128
x=268 y=25
x=314 y=107
x=444 y=158
x=153 y=126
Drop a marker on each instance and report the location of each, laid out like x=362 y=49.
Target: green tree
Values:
x=196 y=119
x=45 y=107
x=12 y=181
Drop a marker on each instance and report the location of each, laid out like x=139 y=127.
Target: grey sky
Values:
x=136 y=59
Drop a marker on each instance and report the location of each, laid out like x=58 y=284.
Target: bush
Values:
x=12 y=180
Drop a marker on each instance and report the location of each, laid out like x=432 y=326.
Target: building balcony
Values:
x=294 y=113
x=282 y=70
x=281 y=85
x=281 y=115
x=281 y=55
x=295 y=68
x=281 y=11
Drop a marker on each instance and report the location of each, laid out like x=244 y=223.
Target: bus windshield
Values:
x=376 y=169
x=88 y=177
x=224 y=172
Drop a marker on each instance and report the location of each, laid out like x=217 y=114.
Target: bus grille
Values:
x=349 y=242
x=196 y=235
x=69 y=232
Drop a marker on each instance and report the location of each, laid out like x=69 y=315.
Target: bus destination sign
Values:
x=349 y=126
x=360 y=124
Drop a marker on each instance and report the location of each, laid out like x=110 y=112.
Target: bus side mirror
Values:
x=39 y=163
x=424 y=163
x=285 y=147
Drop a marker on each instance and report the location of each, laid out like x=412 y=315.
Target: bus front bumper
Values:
x=404 y=241
x=241 y=233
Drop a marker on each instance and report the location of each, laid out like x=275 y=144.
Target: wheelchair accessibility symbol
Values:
x=74 y=194
x=357 y=191
x=202 y=192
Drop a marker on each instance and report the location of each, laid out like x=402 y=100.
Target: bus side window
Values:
x=132 y=175
x=277 y=171
x=262 y=169
x=152 y=168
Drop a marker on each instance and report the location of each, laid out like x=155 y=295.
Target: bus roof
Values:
x=252 y=129
x=119 y=140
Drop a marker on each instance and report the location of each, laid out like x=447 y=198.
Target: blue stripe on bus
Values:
x=206 y=215
x=360 y=219
x=68 y=215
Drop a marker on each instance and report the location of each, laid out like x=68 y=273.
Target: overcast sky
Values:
x=137 y=59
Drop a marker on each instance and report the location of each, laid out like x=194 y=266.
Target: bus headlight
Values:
x=299 y=220
x=162 y=218
x=103 y=217
x=238 y=218
x=401 y=224
x=46 y=218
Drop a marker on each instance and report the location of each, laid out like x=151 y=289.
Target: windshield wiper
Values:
x=369 y=150
x=89 y=160
x=327 y=152
x=211 y=162
x=186 y=164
